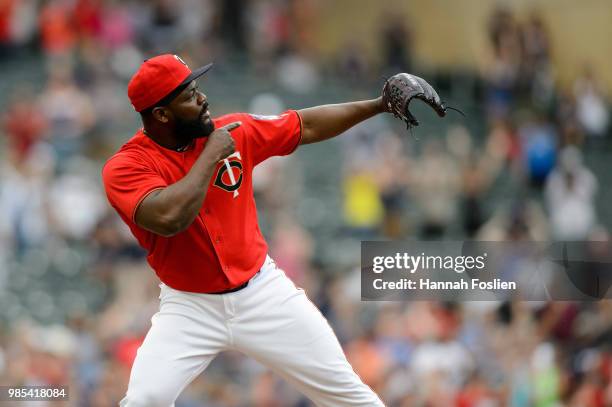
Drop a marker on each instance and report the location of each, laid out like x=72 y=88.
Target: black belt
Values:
x=232 y=290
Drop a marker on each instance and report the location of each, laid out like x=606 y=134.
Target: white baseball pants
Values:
x=270 y=320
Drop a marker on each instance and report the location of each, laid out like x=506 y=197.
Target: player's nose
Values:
x=202 y=98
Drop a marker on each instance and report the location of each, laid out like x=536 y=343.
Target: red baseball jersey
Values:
x=223 y=248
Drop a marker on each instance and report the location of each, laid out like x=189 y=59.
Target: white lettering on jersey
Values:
x=265 y=117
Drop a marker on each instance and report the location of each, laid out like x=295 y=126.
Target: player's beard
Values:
x=187 y=130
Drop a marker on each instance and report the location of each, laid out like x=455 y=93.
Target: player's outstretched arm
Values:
x=323 y=122
x=171 y=210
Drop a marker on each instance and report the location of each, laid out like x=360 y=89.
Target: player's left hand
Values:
x=401 y=88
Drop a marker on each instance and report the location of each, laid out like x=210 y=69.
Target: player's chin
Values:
x=207 y=121
x=208 y=126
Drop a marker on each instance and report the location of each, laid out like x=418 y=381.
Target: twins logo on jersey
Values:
x=229 y=175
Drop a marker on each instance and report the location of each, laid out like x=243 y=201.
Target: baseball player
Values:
x=183 y=184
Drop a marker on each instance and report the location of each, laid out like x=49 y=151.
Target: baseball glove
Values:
x=401 y=88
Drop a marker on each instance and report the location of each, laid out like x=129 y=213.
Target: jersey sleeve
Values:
x=268 y=136
x=127 y=182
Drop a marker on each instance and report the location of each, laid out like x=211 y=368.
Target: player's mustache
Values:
x=204 y=109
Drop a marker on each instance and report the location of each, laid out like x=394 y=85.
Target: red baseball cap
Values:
x=157 y=77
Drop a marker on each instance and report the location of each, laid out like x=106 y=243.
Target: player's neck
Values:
x=167 y=140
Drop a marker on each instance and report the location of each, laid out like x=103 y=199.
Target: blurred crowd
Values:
x=76 y=296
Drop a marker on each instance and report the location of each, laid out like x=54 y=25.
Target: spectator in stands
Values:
x=435 y=188
x=67 y=126
x=57 y=29
x=396 y=43
x=592 y=107
x=23 y=123
x=570 y=195
x=539 y=146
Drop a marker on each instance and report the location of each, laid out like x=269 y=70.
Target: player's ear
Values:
x=161 y=114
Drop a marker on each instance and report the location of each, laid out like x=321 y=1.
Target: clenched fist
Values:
x=220 y=143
